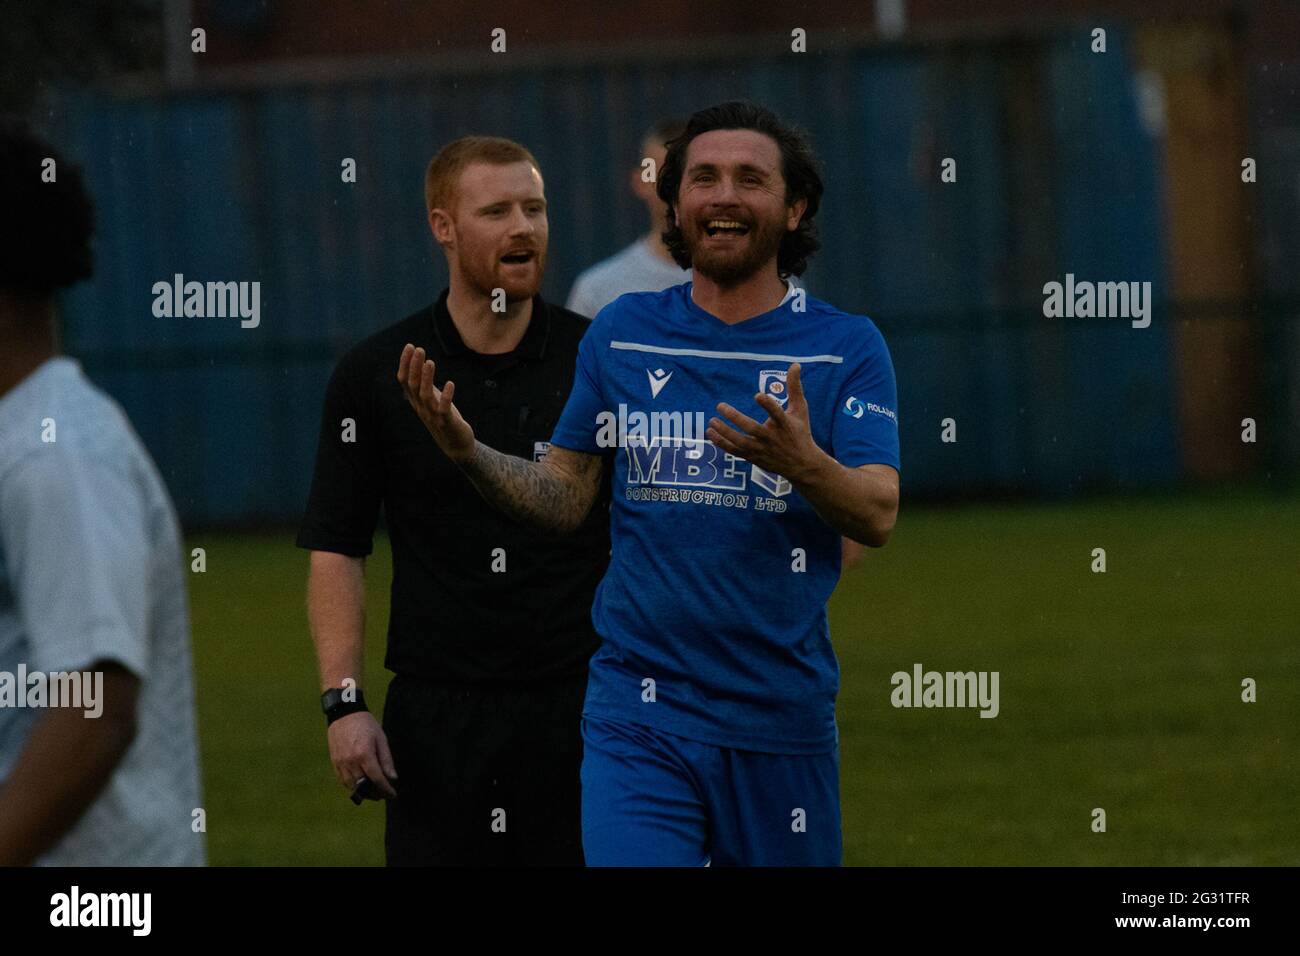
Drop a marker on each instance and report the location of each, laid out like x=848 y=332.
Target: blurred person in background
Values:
x=646 y=265
x=91 y=571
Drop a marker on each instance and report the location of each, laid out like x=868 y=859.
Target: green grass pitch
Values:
x=1119 y=690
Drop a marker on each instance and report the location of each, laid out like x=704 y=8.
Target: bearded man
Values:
x=709 y=724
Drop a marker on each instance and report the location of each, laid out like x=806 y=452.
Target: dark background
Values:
x=1122 y=166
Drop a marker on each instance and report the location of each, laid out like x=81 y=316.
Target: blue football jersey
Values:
x=713 y=611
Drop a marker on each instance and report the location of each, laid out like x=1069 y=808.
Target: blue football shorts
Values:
x=654 y=799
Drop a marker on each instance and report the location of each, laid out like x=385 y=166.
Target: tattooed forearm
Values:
x=555 y=493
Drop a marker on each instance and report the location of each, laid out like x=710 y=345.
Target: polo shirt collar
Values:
x=532 y=345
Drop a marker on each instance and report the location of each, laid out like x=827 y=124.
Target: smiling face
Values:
x=731 y=204
x=495 y=235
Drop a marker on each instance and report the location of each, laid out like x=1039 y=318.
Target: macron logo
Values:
x=658 y=379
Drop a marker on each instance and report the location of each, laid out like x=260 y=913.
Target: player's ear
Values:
x=793 y=213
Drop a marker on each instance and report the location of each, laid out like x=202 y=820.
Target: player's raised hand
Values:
x=434 y=405
x=783 y=444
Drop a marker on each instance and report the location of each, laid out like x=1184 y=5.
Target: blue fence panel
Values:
x=246 y=186
x=1109 y=192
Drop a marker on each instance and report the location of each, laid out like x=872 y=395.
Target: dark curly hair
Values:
x=799 y=168
x=48 y=225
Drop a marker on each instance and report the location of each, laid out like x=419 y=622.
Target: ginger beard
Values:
x=491 y=263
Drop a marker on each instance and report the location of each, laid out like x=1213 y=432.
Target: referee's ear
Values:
x=440 y=224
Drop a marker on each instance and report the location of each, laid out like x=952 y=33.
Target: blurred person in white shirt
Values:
x=103 y=772
x=646 y=265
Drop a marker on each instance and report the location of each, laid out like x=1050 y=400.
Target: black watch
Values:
x=334 y=706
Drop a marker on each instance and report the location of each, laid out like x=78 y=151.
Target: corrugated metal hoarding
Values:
x=1056 y=174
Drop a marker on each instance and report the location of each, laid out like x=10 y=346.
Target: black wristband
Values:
x=335 y=707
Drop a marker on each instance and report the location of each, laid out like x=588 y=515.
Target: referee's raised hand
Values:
x=434 y=405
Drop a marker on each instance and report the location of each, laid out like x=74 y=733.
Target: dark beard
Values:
x=730 y=270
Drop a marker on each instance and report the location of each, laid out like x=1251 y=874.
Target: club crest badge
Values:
x=772 y=382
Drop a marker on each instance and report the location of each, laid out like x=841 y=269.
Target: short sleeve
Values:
x=580 y=298
x=75 y=533
x=347 y=484
x=577 y=427
x=865 y=429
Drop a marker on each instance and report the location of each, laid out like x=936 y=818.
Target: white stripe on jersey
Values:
x=743 y=356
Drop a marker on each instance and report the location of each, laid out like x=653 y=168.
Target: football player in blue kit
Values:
x=709 y=727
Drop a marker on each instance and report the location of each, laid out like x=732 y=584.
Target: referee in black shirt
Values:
x=489 y=629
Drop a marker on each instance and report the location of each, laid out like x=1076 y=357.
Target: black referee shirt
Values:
x=453 y=617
